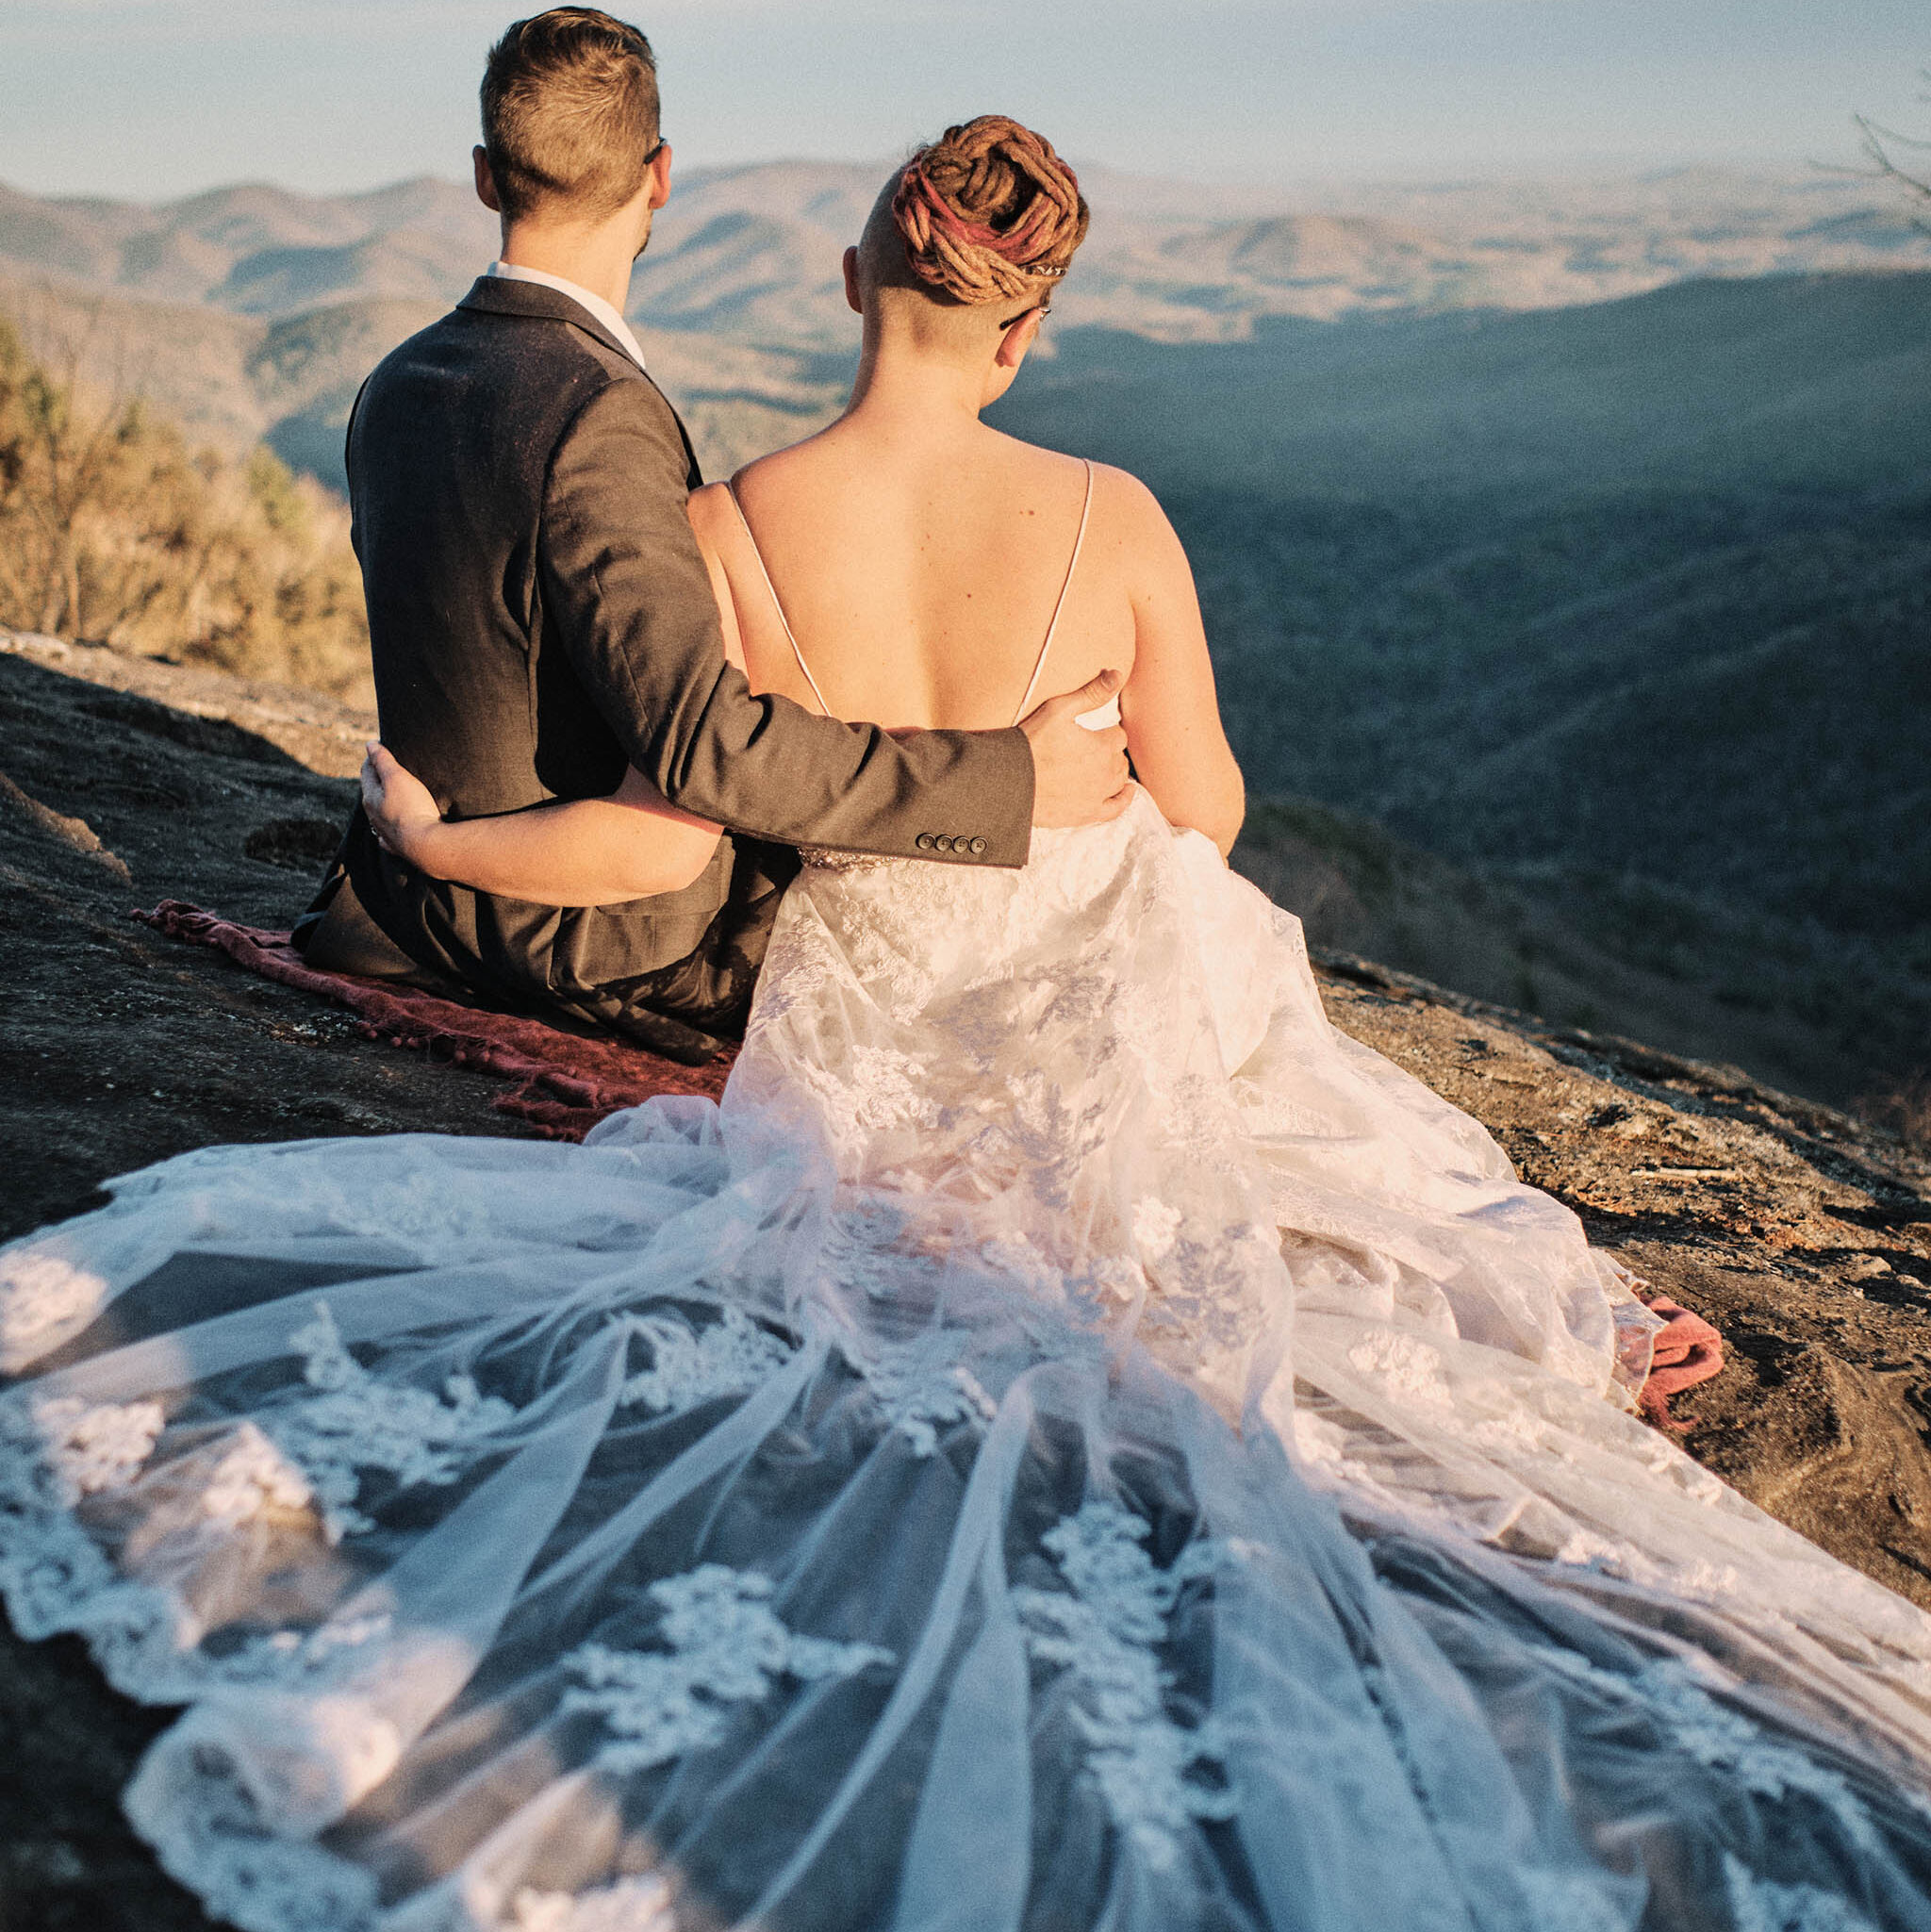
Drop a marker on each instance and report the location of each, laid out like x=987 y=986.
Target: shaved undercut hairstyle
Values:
x=570 y=112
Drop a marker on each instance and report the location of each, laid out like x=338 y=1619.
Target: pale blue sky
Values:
x=151 y=98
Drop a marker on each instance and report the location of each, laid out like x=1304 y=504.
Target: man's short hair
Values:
x=570 y=111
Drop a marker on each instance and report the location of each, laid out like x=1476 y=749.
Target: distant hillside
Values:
x=1616 y=605
x=251 y=311
x=1647 y=584
x=254 y=249
x=233 y=381
x=1811 y=381
x=1628 y=606
x=753 y=251
x=1811 y=1009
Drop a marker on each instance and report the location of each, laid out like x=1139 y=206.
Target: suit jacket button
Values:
x=942 y=843
x=924 y=841
x=976 y=847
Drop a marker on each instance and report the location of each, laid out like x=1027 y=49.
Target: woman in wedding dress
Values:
x=1071 y=1442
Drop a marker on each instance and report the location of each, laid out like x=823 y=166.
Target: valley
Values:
x=1565 y=548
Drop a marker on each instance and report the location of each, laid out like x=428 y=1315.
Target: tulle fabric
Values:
x=1072 y=1442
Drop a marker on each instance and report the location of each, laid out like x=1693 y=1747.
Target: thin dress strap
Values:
x=1039 y=665
x=1072 y=565
x=764 y=571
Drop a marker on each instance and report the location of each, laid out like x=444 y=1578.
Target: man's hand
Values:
x=399 y=805
x=1080 y=777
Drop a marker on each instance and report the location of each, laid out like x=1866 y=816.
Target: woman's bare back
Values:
x=921 y=583
x=919 y=565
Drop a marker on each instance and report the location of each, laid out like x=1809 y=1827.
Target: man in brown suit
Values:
x=540 y=616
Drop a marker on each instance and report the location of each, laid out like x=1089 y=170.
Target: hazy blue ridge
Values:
x=1647 y=585
x=1573 y=536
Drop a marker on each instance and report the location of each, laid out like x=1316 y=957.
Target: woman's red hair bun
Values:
x=989 y=212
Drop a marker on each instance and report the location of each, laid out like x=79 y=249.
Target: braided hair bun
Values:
x=988 y=211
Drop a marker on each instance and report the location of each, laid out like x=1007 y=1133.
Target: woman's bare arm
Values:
x=711 y=514
x=579 y=851
x=1169 y=708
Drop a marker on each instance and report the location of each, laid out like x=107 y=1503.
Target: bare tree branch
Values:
x=1878 y=142
x=1882 y=145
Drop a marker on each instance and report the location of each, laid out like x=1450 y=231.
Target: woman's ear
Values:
x=1019 y=338
x=852 y=299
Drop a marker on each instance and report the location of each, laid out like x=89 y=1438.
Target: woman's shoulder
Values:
x=796 y=463
x=1126 y=524
x=1126 y=496
x=1117 y=494
x=770 y=489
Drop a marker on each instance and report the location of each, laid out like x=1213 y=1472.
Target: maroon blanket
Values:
x=566 y=1083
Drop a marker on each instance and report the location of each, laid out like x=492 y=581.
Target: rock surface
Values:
x=1806 y=1236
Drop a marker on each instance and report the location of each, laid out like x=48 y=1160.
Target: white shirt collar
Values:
x=595 y=304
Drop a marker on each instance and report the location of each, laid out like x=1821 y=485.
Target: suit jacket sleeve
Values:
x=626 y=596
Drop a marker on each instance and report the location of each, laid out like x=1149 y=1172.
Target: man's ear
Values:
x=851 y=301
x=660 y=175
x=485 y=181
x=1019 y=338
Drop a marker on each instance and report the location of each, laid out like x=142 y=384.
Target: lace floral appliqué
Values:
x=1105 y=1632
x=359 y=1423
x=1156 y=1227
x=630 y=1905
x=1724 y=1740
x=43 y=1299
x=731 y=1356
x=83 y=1447
x=723 y=1646
x=1762 y=1904
x=921 y=1388
x=304 y=1657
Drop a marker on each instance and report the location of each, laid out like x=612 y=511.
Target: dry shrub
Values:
x=1904 y=1110
x=113 y=531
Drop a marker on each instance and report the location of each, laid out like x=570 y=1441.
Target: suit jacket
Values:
x=539 y=616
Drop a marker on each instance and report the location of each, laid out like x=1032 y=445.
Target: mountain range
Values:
x=1577 y=532
x=753 y=251
x=1626 y=606
x=1605 y=579
x=252 y=312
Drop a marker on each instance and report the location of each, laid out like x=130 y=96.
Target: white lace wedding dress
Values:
x=1072 y=1442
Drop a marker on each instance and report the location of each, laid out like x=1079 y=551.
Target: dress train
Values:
x=1073 y=1442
